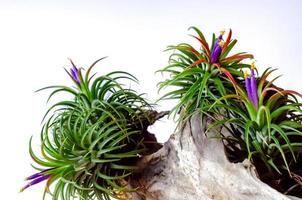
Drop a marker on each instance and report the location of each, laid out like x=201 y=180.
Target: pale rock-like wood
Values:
x=193 y=166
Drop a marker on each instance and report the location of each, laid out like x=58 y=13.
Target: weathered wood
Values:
x=193 y=166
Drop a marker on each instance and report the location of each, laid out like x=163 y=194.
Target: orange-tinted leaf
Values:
x=201 y=60
x=276 y=96
x=229 y=75
x=236 y=58
x=269 y=89
x=204 y=45
x=285 y=92
x=228 y=40
x=265 y=75
x=194 y=51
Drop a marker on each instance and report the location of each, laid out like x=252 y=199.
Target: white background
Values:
x=37 y=37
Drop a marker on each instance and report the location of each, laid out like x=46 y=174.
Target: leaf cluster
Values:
x=90 y=143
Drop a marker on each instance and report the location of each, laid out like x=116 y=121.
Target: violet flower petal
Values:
x=35 y=181
x=216 y=53
x=75 y=74
x=36 y=175
x=220 y=38
x=247 y=81
x=217 y=48
x=254 y=94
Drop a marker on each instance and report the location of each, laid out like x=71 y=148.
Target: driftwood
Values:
x=191 y=165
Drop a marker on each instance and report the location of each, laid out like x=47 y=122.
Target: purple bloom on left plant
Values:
x=35 y=179
x=74 y=71
x=36 y=175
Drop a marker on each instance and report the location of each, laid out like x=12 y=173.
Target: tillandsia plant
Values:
x=196 y=74
x=265 y=126
x=264 y=122
x=90 y=143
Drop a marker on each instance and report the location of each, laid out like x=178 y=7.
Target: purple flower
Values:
x=251 y=86
x=254 y=87
x=36 y=178
x=217 y=48
x=74 y=73
x=36 y=175
x=247 y=81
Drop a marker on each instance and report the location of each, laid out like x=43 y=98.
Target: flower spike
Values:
x=251 y=86
x=36 y=175
x=35 y=181
x=247 y=81
x=254 y=94
x=217 y=49
x=74 y=71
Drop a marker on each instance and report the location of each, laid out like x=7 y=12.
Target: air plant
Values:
x=264 y=122
x=196 y=75
x=90 y=143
